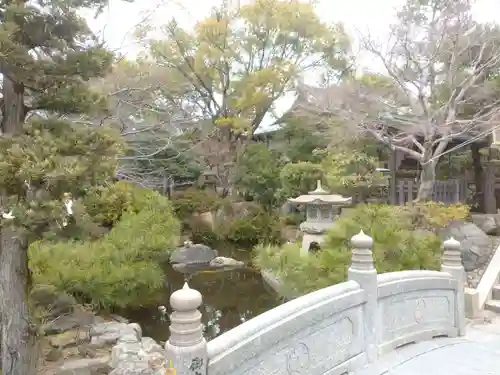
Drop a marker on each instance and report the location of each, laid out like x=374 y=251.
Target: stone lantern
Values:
x=321 y=210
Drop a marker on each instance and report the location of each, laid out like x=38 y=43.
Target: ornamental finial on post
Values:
x=186 y=349
x=362 y=257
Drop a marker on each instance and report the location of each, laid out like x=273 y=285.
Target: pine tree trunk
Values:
x=18 y=339
x=427 y=181
x=13 y=110
x=18 y=351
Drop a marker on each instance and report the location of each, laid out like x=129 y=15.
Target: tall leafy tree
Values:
x=258 y=174
x=48 y=54
x=299 y=141
x=238 y=63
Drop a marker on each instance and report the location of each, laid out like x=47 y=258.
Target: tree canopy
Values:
x=236 y=64
x=225 y=76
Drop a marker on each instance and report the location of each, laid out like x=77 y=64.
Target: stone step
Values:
x=495 y=292
x=493 y=305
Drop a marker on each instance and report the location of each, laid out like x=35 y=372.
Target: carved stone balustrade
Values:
x=335 y=330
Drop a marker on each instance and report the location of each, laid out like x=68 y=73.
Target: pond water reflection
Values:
x=229 y=299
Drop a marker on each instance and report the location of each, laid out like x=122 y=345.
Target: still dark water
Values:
x=229 y=299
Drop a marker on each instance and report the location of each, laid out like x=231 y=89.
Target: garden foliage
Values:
x=121 y=268
x=403 y=240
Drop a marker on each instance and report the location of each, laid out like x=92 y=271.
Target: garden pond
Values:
x=229 y=299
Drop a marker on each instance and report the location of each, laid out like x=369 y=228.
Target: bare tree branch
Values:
x=437 y=87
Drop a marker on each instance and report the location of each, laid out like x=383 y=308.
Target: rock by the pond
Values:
x=79 y=343
x=87 y=351
x=68 y=339
x=79 y=318
x=83 y=344
x=488 y=223
x=134 y=354
x=91 y=366
x=134 y=368
x=477 y=247
x=151 y=346
x=54 y=355
x=108 y=333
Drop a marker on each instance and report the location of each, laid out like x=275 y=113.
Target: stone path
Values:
x=478 y=353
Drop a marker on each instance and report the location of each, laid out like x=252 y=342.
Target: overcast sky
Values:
x=116 y=24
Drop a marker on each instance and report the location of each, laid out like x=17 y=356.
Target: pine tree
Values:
x=47 y=56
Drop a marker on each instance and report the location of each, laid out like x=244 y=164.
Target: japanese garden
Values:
x=110 y=164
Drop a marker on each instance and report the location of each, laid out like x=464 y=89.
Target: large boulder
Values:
x=488 y=223
x=79 y=318
x=136 y=355
x=477 y=246
x=85 y=366
x=108 y=333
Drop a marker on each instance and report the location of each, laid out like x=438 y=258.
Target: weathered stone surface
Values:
x=133 y=354
x=106 y=328
x=126 y=352
x=476 y=245
x=119 y=318
x=78 y=318
x=69 y=338
x=151 y=346
x=488 y=223
x=136 y=328
x=92 y=366
x=87 y=351
x=134 y=368
x=109 y=333
x=54 y=354
x=104 y=340
x=80 y=334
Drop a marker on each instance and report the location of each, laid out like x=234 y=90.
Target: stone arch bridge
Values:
x=401 y=323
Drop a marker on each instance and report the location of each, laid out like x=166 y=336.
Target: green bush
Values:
x=120 y=269
x=258 y=174
x=257 y=226
x=294 y=218
x=396 y=247
x=434 y=215
x=353 y=174
x=299 y=178
x=106 y=204
x=188 y=202
x=201 y=232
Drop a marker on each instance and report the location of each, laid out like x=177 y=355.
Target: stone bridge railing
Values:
x=334 y=330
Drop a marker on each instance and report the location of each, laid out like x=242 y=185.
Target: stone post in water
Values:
x=186 y=349
x=452 y=263
x=364 y=273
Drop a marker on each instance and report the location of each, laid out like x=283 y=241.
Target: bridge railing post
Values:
x=451 y=263
x=186 y=349
x=362 y=270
